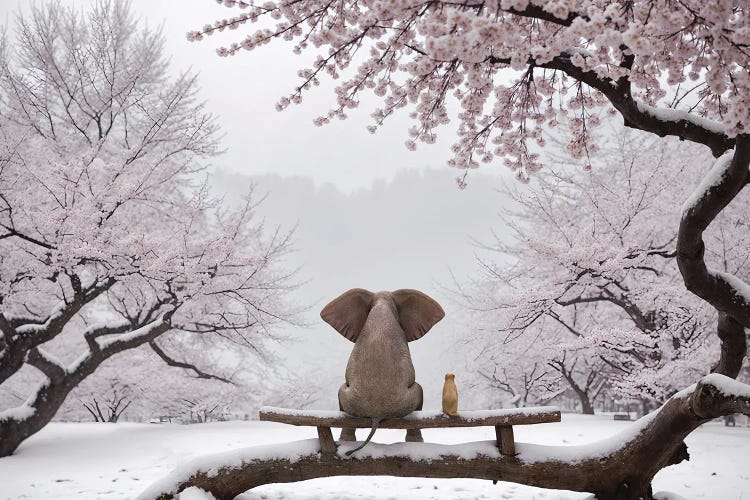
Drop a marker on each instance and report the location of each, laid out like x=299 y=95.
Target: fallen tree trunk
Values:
x=620 y=467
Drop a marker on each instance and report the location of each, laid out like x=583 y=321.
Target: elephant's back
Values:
x=380 y=380
x=376 y=361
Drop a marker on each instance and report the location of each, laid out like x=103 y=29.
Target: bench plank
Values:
x=415 y=420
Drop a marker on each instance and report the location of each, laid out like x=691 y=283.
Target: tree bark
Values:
x=718 y=289
x=625 y=473
x=586 y=407
x=18 y=344
x=17 y=424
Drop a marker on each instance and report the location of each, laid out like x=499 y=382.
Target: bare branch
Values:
x=187 y=366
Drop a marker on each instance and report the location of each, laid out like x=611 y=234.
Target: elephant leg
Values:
x=347 y=433
x=415 y=435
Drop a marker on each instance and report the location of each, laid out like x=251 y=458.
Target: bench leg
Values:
x=414 y=436
x=347 y=434
x=327 y=444
x=505 y=441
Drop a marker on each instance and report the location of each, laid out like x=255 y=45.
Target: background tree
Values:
x=588 y=268
x=108 y=238
x=109 y=404
x=156 y=389
x=670 y=68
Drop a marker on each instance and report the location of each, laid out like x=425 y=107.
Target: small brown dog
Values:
x=450 y=395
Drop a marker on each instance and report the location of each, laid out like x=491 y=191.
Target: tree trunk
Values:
x=586 y=407
x=17 y=424
x=34 y=414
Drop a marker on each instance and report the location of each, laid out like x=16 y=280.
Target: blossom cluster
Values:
x=513 y=66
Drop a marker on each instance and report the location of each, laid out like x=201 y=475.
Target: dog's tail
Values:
x=375 y=423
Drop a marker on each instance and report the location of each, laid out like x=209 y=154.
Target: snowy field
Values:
x=118 y=461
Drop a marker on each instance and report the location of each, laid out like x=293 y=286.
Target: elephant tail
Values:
x=375 y=423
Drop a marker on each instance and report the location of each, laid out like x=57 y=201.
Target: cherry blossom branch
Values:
x=727 y=293
x=636 y=114
x=23 y=334
x=39 y=359
x=733 y=346
x=187 y=366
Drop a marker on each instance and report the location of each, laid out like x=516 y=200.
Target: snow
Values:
x=676 y=115
x=508 y=412
x=422 y=451
x=195 y=493
x=18 y=413
x=49 y=357
x=33 y=328
x=740 y=287
x=728 y=386
x=662 y=495
x=304 y=413
x=116 y=461
x=712 y=178
x=139 y=332
x=235 y=458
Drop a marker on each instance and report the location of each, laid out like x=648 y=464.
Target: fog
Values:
x=412 y=232
x=368 y=212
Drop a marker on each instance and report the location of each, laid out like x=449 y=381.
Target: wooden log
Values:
x=595 y=475
x=415 y=420
x=327 y=444
x=505 y=440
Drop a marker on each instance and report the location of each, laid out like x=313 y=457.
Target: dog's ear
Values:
x=417 y=312
x=348 y=312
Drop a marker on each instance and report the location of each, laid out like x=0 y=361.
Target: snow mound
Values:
x=211 y=464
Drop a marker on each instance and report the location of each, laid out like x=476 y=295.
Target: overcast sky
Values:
x=369 y=213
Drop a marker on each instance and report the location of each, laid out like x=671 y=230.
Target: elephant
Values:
x=380 y=381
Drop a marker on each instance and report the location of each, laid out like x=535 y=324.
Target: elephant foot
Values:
x=347 y=434
x=414 y=436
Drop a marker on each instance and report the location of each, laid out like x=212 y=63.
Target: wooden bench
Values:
x=503 y=421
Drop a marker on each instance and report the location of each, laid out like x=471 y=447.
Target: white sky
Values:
x=368 y=214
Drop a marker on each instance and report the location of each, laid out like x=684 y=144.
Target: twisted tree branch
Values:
x=182 y=364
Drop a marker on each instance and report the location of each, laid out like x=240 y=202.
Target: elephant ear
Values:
x=348 y=312
x=417 y=312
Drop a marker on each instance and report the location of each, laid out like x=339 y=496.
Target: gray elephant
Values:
x=380 y=375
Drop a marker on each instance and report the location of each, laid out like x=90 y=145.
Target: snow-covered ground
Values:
x=118 y=461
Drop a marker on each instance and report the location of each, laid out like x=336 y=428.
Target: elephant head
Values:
x=380 y=375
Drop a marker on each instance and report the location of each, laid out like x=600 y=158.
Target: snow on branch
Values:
x=137 y=336
x=729 y=175
x=727 y=386
x=712 y=180
x=48 y=364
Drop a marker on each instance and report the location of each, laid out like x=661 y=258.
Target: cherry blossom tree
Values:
x=239 y=384
x=109 y=239
x=668 y=67
x=588 y=268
